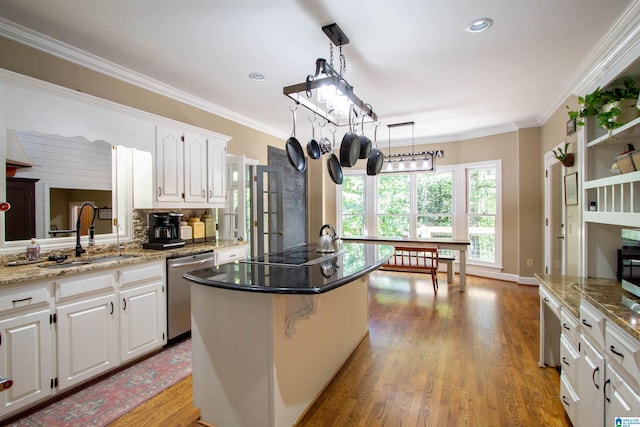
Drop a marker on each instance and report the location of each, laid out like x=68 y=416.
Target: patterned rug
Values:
x=109 y=399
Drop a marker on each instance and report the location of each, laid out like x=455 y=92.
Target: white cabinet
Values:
x=87 y=314
x=142 y=310
x=216 y=171
x=169 y=164
x=591 y=378
x=230 y=254
x=621 y=400
x=25 y=346
x=190 y=168
x=549 y=329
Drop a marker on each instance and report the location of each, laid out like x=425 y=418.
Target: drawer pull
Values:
x=564 y=325
x=585 y=323
x=617 y=353
x=564 y=400
x=15 y=301
x=124 y=303
x=111 y=307
x=546 y=299
x=593 y=377
x=564 y=360
x=606 y=383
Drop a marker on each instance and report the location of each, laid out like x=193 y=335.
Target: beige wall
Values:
x=34 y=63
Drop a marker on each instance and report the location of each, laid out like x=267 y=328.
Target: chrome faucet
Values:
x=79 y=250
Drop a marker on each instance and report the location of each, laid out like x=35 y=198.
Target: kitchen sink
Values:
x=108 y=258
x=65 y=264
x=97 y=260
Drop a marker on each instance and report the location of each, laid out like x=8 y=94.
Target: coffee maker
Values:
x=164 y=231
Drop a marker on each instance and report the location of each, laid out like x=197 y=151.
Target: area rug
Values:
x=109 y=399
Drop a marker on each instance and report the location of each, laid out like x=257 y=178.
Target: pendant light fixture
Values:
x=415 y=161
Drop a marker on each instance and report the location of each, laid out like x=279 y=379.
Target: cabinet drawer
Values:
x=622 y=348
x=152 y=272
x=84 y=284
x=570 y=327
x=569 y=360
x=570 y=400
x=550 y=301
x=592 y=323
x=24 y=296
x=234 y=253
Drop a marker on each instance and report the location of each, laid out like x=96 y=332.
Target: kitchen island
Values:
x=269 y=335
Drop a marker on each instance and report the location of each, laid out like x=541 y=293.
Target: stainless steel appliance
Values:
x=178 y=291
x=164 y=231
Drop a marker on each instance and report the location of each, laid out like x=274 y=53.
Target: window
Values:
x=393 y=202
x=353 y=208
x=460 y=201
x=482 y=213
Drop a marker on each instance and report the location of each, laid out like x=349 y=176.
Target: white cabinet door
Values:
x=621 y=399
x=590 y=383
x=217 y=170
x=141 y=320
x=195 y=166
x=87 y=339
x=169 y=164
x=25 y=358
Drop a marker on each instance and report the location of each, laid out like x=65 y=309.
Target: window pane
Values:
x=483 y=238
x=393 y=195
x=353 y=195
x=481 y=185
x=434 y=226
x=435 y=193
x=393 y=225
x=353 y=225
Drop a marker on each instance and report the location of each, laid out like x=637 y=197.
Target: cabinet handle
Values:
x=606 y=383
x=204 y=193
x=0 y=339
x=564 y=360
x=585 y=323
x=124 y=303
x=111 y=307
x=564 y=400
x=21 y=300
x=564 y=325
x=159 y=191
x=546 y=299
x=617 y=353
x=593 y=377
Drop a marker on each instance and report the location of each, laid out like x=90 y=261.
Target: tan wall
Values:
x=34 y=63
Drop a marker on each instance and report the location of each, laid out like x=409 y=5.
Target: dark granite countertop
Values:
x=606 y=295
x=351 y=263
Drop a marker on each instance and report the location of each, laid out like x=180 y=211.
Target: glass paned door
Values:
x=270 y=207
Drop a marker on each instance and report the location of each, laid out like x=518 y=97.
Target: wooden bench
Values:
x=410 y=261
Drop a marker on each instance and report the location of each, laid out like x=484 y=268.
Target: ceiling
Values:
x=412 y=60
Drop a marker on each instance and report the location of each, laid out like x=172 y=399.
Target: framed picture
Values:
x=571 y=127
x=571 y=189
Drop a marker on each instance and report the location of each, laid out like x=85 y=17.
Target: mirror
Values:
x=45 y=197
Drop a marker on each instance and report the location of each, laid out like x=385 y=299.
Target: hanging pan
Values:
x=294 y=149
x=376 y=158
x=350 y=147
x=333 y=164
x=313 y=147
x=365 y=142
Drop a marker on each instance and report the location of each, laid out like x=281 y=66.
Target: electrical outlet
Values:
x=529 y=262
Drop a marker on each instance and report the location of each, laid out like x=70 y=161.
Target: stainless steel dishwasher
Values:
x=178 y=291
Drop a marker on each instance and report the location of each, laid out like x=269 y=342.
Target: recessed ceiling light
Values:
x=257 y=77
x=479 y=25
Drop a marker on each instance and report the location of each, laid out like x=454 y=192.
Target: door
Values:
x=195 y=159
x=555 y=244
x=237 y=218
x=140 y=320
x=270 y=208
x=169 y=164
x=87 y=339
x=25 y=358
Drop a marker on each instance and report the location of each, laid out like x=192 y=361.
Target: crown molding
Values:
x=36 y=40
x=614 y=52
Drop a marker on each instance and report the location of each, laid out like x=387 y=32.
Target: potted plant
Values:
x=567 y=159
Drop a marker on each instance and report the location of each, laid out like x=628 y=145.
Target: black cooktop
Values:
x=296 y=256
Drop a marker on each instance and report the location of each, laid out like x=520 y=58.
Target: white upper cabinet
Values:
x=190 y=168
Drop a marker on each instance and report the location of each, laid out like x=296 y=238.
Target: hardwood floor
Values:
x=455 y=359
